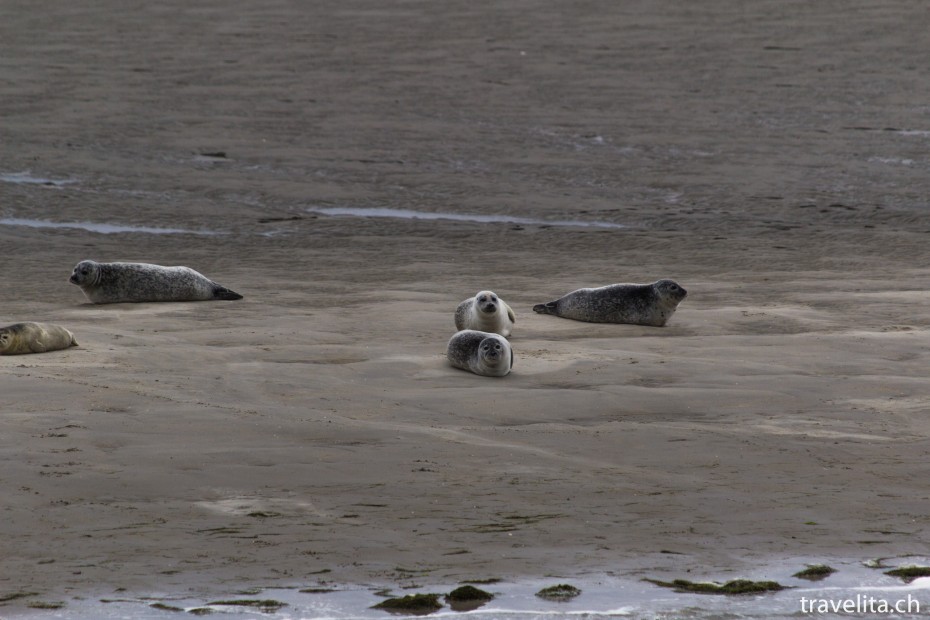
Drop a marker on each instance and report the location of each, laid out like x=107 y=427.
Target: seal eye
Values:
x=84 y=272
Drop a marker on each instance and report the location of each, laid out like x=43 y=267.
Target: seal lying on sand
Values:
x=485 y=312
x=22 y=338
x=640 y=304
x=111 y=283
x=482 y=353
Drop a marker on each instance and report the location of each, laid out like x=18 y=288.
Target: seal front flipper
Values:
x=546 y=308
x=221 y=292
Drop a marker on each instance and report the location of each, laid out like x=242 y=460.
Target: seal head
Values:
x=486 y=302
x=491 y=352
x=86 y=273
x=670 y=292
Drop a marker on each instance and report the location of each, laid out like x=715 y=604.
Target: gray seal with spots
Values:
x=21 y=338
x=482 y=353
x=639 y=304
x=485 y=312
x=111 y=283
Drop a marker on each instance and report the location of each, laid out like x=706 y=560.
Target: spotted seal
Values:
x=640 y=304
x=485 y=312
x=110 y=283
x=479 y=352
x=22 y=338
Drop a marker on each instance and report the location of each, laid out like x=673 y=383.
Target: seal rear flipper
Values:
x=225 y=294
x=547 y=308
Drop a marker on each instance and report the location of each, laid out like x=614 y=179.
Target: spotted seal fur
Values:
x=639 y=304
x=482 y=353
x=110 y=283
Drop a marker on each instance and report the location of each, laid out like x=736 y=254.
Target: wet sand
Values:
x=771 y=158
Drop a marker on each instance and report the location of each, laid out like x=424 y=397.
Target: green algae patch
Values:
x=909 y=573
x=411 y=604
x=264 y=514
x=560 y=592
x=4 y=598
x=266 y=605
x=469 y=593
x=45 y=605
x=815 y=572
x=467 y=598
x=737 y=586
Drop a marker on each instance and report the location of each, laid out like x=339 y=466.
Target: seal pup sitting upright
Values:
x=485 y=312
x=111 y=283
x=639 y=304
x=482 y=353
x=30 y=337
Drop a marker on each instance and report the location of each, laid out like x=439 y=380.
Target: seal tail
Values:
x=547 y=308
x=221 y=292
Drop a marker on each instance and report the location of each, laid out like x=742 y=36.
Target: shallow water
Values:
x=458 y=217
x=103 y=228
x=860 y=588
x=26 y=178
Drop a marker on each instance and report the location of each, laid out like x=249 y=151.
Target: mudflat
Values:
x=770 y=157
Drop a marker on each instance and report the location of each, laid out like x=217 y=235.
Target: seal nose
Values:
x=73 y=279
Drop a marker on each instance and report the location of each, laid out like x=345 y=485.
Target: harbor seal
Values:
x=482 y=353
x=485 y=312
x=22 y=338
x=111 y=283
x=639 y=304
